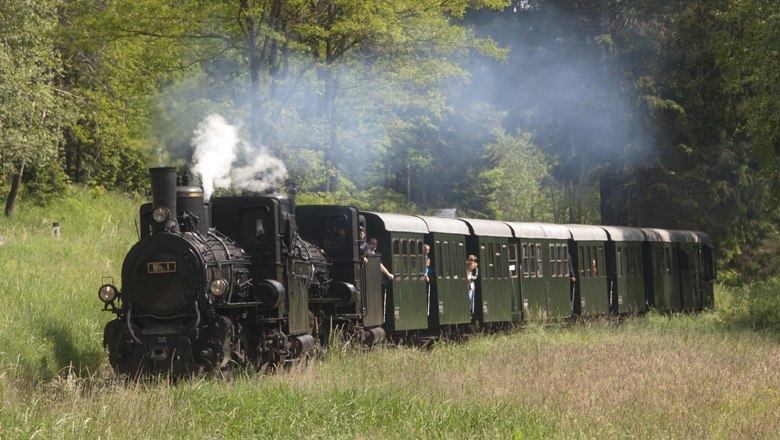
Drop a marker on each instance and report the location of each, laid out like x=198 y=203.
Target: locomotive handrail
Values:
x=130 y=323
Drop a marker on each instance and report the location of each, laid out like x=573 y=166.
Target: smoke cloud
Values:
x=223 y=160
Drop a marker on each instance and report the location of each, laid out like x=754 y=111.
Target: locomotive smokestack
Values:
x=164 y=189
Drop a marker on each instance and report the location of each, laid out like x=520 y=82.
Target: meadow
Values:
x=711 y=375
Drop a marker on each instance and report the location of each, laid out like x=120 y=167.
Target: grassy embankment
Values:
x=707 y=376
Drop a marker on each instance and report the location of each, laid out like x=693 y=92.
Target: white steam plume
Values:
x=222 y=159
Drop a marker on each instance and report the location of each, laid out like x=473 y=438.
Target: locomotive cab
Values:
x=355 y=293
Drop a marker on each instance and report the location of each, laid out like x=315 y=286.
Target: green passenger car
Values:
x=448 y=297
x=624 y=270
x=662 y=270
x=544 y=290
x=591 y=292
x=400 y=242
x=490 y=241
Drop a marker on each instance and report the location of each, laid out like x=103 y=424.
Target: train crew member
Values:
x=472 y=272
x=362 y=245
x=371 y=251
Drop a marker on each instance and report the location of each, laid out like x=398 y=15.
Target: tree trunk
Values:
x=613 y=198
x=255 y=68
x=330 y=112
x=408 y=182
x=15 y=184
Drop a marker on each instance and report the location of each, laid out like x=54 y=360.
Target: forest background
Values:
x=646 y=113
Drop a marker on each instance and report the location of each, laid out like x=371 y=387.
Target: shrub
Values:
x=756 y=306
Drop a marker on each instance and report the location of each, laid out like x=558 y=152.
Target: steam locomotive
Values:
x=255 y=281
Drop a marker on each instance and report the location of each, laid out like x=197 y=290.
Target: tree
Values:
x=522 y=173
x=753 y=76
x=31 y=112
x=112 y=78
x=329 y=73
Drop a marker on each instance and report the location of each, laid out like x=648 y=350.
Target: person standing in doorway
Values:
x=472 y=272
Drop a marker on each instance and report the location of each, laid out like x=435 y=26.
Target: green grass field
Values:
x=713 y=375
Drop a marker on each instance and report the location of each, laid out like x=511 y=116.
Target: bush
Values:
x=756 y=306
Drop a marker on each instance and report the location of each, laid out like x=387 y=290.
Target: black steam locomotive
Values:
x=254 y=281
x=211 y=286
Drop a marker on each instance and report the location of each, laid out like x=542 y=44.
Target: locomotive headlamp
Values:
x=160 y=214
x=218 y=287
x=107 y=293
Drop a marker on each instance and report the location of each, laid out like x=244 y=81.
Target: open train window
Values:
x=404 y=258
x=600 y=262
x=256 y=225
x=439 y=257
x=503 y=262
x=396 y=257
x=459 y=269
x=446 y=258
x=559 y=251
x=667 y=261
x=512 y=260
x=526 y=261
x=565 y=252
x=553 y=272
x=412 y=272
x=637 y=268
x=420 y=260
x=490 y=264
x=539 y=267
x=591 y=263
x=335 y=231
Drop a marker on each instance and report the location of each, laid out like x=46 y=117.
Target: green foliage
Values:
x=112 y=77
x=45 y=183
x=521 y=171
x=754 y=75
x=31 y=108
x=755 y=306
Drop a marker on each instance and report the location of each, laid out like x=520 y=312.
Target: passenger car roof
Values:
x=446 y=225
x=587 y=232
x=488 y=228
x=652 y=234
x=400 y=222
x=539 y=230
x=623 y=233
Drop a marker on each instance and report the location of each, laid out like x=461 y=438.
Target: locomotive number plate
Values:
x=161 y=267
